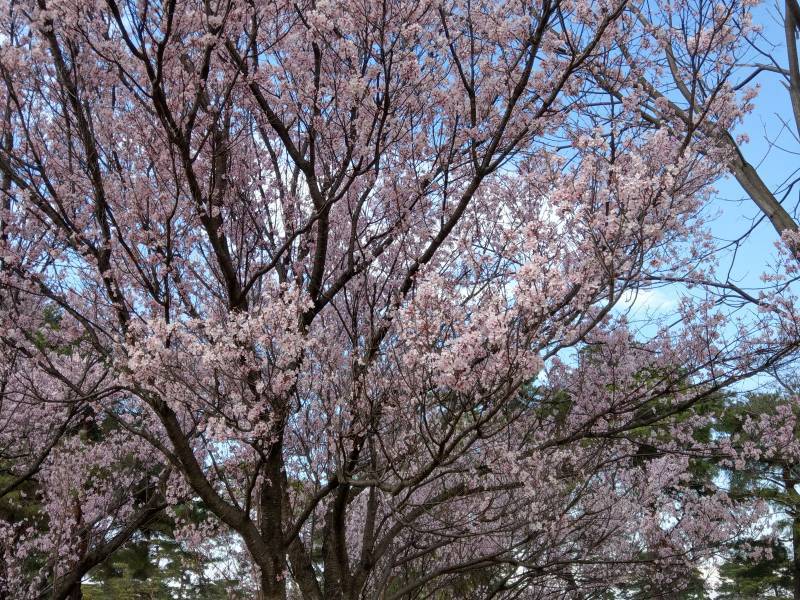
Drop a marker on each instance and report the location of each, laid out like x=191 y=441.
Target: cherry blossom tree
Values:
x=680 y=72
x=320 y=266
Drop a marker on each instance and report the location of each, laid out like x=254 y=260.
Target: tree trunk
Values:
x=75 y=592
x=796 y=555
x=273 y=577
x=271 y=588
x=789 y=486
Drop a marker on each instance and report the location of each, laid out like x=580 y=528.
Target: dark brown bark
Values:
x=796 y=557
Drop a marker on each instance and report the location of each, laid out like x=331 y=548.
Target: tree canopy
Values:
x=314 y=299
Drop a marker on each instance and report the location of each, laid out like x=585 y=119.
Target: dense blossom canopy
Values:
x=346 y=274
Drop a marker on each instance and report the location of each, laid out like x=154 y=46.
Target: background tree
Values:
x=763 y=429
x=751 y=574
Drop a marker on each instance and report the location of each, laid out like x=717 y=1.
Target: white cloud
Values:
x=639 y=302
